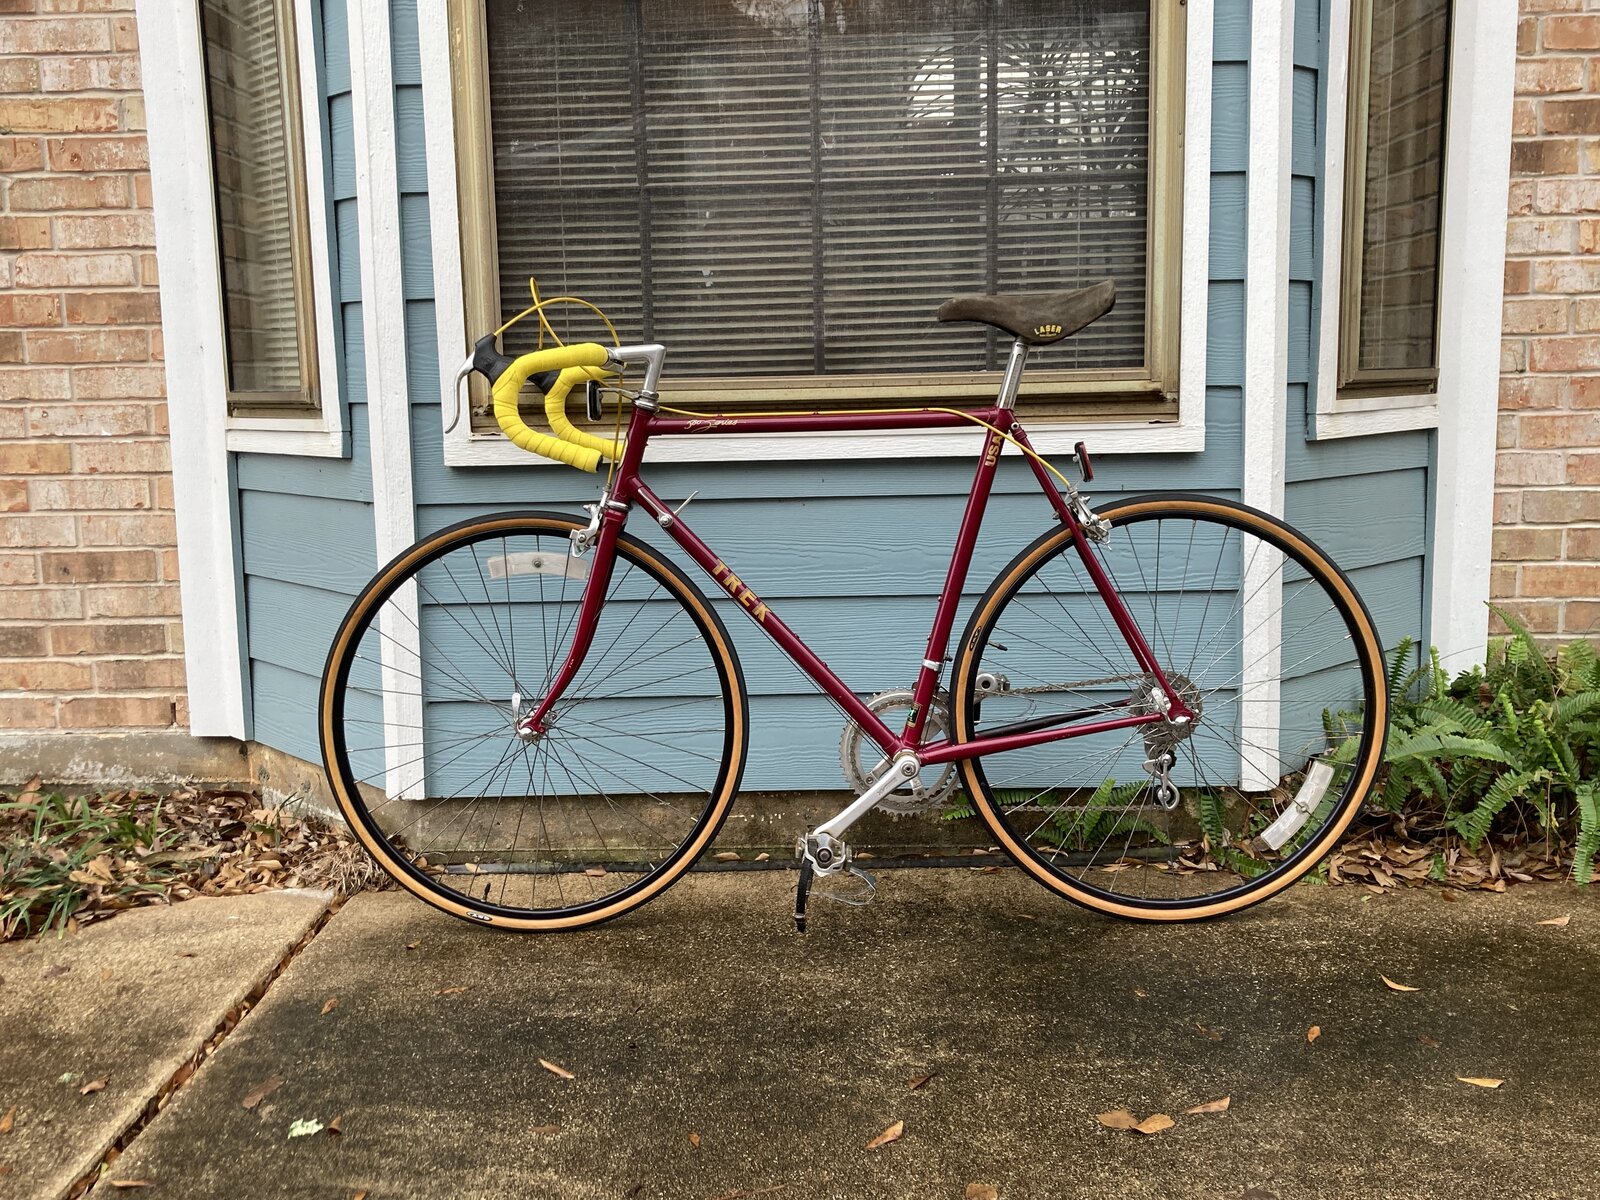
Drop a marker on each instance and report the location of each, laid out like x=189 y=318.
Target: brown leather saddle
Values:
x=1038 y=318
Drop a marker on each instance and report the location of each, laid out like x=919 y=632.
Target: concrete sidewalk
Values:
x=123 y=1005
x=704 y=1014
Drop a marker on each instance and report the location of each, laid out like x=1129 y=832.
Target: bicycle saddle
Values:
x=1038 y=318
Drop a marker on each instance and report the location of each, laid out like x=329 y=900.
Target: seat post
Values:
x=1013 y=375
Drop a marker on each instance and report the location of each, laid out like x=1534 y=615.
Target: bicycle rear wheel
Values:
x=1268 y=644
x=459 y=636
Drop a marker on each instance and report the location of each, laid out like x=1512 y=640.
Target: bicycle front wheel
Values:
x=1269 y=646
x=460 y=636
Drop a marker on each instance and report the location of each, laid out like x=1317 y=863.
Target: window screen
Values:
x=1395 y=301
x=256 y=169
x=791 y=187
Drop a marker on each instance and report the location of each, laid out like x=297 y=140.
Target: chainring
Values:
x=919 y=795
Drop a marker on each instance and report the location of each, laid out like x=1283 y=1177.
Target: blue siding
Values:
x=306 y=523
x=851 y=554
x=1336 y=490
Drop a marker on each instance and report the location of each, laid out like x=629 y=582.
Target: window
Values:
x=1399 y=55
x=783 y=191
x=263 y=237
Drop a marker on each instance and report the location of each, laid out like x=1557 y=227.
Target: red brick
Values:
x=21 y=154
x=113 y=308
x=116 y=73
x=1586 y=316
x=44 y=676
x=86 y=6
x=1543 y=545
x=1522 y=468
x=10 y=347
x=24 y=233
x=1560 y=507
x=26 y=712
x=128 y=529
x=17 y=569
x=1584 y=468
x=118 y=712
x=134 y=229
x=1571 y=33
x=19 y=76
x=54 y=36
x=119 y=383
x=123 y=458
x=1580 y=618
x=1540 y=431
x=121 y=638
x=1583 y=544
x=139 y=675
x=1566 y=195
x=1566 y=580
x=40 y=604
x=24 y=310
x=1524 y=123
x=44 y=270
x=143 y=199
x=133 y=114
x=1519 y=277
x=50 y=193
x=22 y=641
x=1521 y=316
x=125 y=33
x=34 y=383
x=89 y=420
x=130 y=153
x=1508 y=508
x=1588 y=236
x=107 y=345
x=1536 y=616
x=99 y=566
x=137 y=600
x=1541 y=235
x=1544 y=354
x=1583 y=391
x=13 y=496
x=60 y=116
x=1520 y=393
x=1571 y=116
x=56 y=495
x=35 y=458
x=1545 y=156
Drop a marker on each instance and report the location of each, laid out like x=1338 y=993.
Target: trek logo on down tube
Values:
x=738 y=591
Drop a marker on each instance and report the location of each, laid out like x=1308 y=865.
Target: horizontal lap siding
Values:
x=1363 y=499
x=306 y=523
x=851 y=554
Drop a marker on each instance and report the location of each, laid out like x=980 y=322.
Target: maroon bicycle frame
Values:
x=629 y=489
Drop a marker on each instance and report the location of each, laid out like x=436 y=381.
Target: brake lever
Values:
x=461 y=375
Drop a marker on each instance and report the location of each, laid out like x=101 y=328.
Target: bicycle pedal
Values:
x=801 y=892
x=863 y=894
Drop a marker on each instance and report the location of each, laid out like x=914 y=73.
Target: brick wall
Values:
x=1547 y=478
x=89 y=630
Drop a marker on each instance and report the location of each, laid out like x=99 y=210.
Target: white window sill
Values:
x=315 y=437
x=1367 y=415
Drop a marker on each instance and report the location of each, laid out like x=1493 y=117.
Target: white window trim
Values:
x=324 y=436
x=1186 y=435
x=1337 y=416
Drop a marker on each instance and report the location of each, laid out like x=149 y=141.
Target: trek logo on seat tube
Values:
x=738 y=591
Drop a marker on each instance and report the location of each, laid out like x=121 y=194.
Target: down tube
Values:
x=819 y=671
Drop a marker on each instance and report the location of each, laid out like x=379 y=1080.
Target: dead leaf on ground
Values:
x=127 y=1184
x=1210 y=1033
x=328 y=1005
x=1141 y=993
x=1428 y=1041
x=1397 y=987
x=694 y=1139
x=1210 y=1106
x=726 y=856
x=544 y=1129
x=261 y=1091
x=453 y=991
x=555 y=1070
x=51 y=972
x=94 y=1085
x=1118 y=1118
x=763 y=857
x=409 y=946
x=919 y=1081
x=361 y=1195
x=981 y=1191
x=595 y=872
x=1313 y=1033
x=1561 y=921
x=10 y=1119
x=1480 y=1081
x=105 y=974
x=1154 y=1123
x=891 y=1134
x=334 y=1129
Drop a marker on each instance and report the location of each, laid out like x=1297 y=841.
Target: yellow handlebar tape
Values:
x=569 y=445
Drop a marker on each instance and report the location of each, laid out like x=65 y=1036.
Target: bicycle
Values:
x=1166 y=709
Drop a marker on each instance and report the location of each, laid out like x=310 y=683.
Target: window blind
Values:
x=791 y=187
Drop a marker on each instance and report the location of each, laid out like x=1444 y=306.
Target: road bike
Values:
x=1166 y=708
